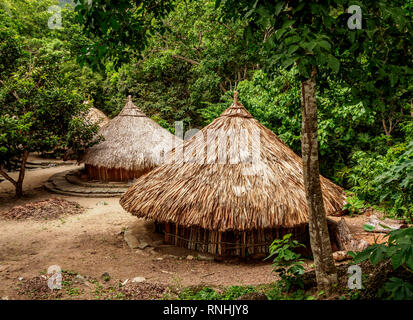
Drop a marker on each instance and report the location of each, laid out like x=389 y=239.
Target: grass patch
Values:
x=208 y=293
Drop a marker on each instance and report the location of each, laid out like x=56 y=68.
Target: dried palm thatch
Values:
x=96 y=116
x=133 y=145
x=233 y=185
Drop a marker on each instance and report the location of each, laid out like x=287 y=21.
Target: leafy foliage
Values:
x=39 y=99
x=287 y=263
x=207 y=293
x=384 y=179
x=399 y=249
x=397 y=182
x=398 y=289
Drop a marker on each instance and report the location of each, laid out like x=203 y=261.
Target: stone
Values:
x=190 y=257
x=82 y=280
x=142 y=245
x=20 y=278
x=363 y=244
x=138 y=279
x=152 y=251
x=142 y=253
x=340 y=255
x=204 y=257
x=167 y=272
x=157 y=243
x=130 y=239
x=125 y=282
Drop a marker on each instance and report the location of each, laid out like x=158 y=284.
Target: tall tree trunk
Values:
x=325 y=269
x=19 y=182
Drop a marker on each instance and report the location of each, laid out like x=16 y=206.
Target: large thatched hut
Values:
x=231 y=189
x=133 y=145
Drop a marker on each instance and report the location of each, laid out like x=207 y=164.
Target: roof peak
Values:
x=236 y=109
x=131 y=110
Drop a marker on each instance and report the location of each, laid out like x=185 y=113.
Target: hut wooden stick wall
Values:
x=237 y=243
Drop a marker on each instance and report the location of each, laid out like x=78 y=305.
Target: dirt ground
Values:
x=92 y=244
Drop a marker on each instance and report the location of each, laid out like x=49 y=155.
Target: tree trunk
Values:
x=19 y=182
x=325 y=269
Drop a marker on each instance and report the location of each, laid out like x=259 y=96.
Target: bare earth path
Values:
x=92 y=243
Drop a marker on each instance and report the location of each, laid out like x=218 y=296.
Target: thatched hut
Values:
x=96 y=116
x=93 y=116
x=231 y=189
x=133 y=145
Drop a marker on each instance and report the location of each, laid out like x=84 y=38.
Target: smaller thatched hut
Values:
x=133 y=145
x=93 y=116
x=234 y=189
x=96 y=116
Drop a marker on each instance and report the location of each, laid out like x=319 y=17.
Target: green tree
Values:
x=39 y=108
x=183 y=69
x=315 y=36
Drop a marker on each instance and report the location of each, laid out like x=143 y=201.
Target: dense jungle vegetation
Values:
x=188 y=73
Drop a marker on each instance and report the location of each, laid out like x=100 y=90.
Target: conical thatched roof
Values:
x=132 y=141
x=242 y=193
x=96 y=116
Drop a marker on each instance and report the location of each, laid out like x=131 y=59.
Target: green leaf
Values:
x=291 y=40
x=397 y=259
x=278 y=7
x=288 y=24
x=368 y=227
x=364 y=255
x=393 y=78
x=278 y=34
x=324 y=44
x=333 y=63
x=409 y=259
x=304 y=69
x=288 y=62
x=292 y=49
x=378 y=255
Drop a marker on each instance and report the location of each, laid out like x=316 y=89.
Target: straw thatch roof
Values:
x=260 y=185
x=132 y=141
x=96 y=116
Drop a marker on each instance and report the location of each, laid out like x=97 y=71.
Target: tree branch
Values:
x=5 y=175
x=177 y=56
